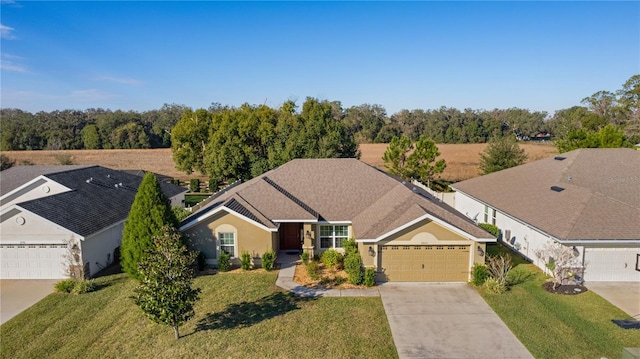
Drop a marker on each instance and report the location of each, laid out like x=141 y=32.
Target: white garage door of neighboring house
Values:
x=611 y=264
x=33 y=261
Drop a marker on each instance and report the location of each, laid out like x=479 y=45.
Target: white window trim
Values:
x=333 y=235
x=235 y=244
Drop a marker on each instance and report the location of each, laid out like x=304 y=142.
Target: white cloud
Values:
x=120 y=80
x=9 y=66
x=6 y=32
x=12 y=63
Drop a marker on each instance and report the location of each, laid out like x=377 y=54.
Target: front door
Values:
x=290 y=236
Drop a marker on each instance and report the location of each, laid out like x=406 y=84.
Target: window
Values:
x=488 y=210
x=332 y=236
x=227 y=242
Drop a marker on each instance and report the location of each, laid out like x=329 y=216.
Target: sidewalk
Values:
x=285 y=281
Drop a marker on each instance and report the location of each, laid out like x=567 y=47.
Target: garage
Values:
x=611 y=264
x=414 y=263
x=33 y=261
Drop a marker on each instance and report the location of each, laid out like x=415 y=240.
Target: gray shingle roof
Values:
x=600 y=200
x=99 y=198
x=340 y=190
x=16 y=176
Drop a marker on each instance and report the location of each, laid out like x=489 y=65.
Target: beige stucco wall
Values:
x=249 y=237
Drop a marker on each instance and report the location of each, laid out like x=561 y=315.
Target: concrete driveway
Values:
x=17 y=295
x=438 y=320
x=624 y=295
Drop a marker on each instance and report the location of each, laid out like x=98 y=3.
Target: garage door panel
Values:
x=611 y=264
x=38 y=261
x=426 y=263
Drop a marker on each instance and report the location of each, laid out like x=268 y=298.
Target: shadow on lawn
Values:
x=245 y=314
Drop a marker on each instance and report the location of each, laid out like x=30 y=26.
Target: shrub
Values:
x=6 y=162
x=305 y=257
x=494 y=286
x=268 y=259
x=490 y=228
x=312 y=270
x=353 y=267
x=479 y=274
x=499 y=267
x=245 y=260
x=175 y=181
x=224 y=262
x=65 y=286
x=339 y=280
x=213 y=185
x=194 y=185
x=369 y=277
x=75 y=286
x=83 y=286
x=331 y=259
x=350 y=246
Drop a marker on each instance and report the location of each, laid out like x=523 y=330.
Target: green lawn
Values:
x=560 y=326
x=239 y=315
x=191 y=199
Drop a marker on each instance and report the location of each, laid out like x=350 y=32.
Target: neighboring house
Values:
x=587 y=199
x=315 y=204
x=55 y=220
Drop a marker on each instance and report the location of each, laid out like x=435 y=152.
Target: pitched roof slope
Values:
x=16 y=176
x=599 y=195
x=99 y=198
x=340 y=190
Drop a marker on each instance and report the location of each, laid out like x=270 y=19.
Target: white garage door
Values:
x=33 y=261
x=611 y=264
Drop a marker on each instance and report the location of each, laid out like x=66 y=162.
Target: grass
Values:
x=238 y=315
x=191 y=199
x=559 y=326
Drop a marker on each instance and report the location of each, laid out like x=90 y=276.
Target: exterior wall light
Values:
x=308 y=234
x=480 y=251
x=371 y=251
x=75 y=252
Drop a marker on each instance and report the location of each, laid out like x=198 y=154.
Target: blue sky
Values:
x=541 y=56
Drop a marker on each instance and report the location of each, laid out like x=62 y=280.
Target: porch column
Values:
x=309 y=240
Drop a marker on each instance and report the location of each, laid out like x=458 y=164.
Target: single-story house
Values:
x=312 y=205
x=57 y=221
x=587 y=199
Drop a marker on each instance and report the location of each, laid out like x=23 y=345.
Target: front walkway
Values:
x=285 y=281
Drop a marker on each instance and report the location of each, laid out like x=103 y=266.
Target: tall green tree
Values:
x=501 y=154
x=166 y=294
x=149 y=212
x=422 y=161
x=395 y=157
x=189 y=138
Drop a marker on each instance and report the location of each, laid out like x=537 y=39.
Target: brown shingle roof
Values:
x=600 y=200
x=340 y=190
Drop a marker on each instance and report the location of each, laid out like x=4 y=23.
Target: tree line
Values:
x=366 y=123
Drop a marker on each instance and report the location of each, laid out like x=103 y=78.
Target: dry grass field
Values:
x=462 y=160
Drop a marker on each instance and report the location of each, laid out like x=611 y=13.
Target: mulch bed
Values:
x=564 y=289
